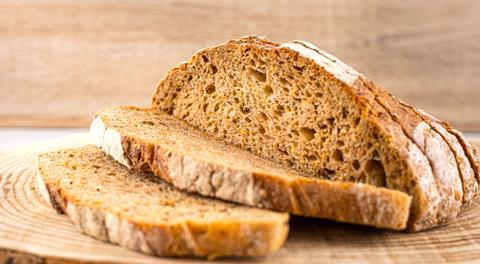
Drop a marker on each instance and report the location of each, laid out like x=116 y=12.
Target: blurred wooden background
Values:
x=60 y=61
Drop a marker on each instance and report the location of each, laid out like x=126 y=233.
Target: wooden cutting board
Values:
x=31 y=231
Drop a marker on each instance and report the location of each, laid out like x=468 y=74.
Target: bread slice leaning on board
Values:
x=144 y=140
x=140 y=212
x=305 y=109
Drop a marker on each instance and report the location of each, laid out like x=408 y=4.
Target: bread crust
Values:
x=340 y=201
x=466 y=168
x=435 y=148
x=206 y=239
x=469 y=153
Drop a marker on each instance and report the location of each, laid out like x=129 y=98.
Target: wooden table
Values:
x=31 y=231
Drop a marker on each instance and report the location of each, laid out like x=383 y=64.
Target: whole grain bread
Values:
x=140 y=212
x=302 y=107
x=145 y=140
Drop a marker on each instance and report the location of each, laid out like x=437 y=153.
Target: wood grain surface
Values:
x=31 y=231
x=61 y=60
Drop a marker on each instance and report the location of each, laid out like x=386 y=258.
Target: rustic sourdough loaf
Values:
x=145 y=140
x=303 y=108
x=142 y=213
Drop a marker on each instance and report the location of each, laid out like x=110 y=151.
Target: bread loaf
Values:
x=301 y=107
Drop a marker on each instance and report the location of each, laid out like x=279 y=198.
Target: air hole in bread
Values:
x=307 y=133
x=214 y=69
x=362 y=177
x=337 y=155
x=257 y=75
x=146 y=122
x=267 y=89
x=325 y=173
x=312 y=157
x=205 y=59
x=331 y=121
x=356 y=121
x=280 y=110
x=356 y=164
x=295 y=132
x=204 y=107
x=299 y=69
x=263 y=116
x=210 y=88
x=245 y=110
x=284 y=81
x=375 y=172
x=340 y=143
x=261 y=129
x=344 y=112
x=322 y=126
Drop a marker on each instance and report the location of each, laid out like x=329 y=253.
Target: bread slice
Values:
x=143 y=213
x=304 y=108
x=145 y=140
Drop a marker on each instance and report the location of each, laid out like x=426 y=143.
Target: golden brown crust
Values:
x=200 y=238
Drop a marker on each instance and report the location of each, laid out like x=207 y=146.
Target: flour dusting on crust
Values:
x=330 y=63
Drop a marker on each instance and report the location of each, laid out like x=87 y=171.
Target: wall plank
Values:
x=60 y=61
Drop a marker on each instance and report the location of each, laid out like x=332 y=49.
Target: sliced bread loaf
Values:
x=304 y=108
x=142 y=213
x=145 y=140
